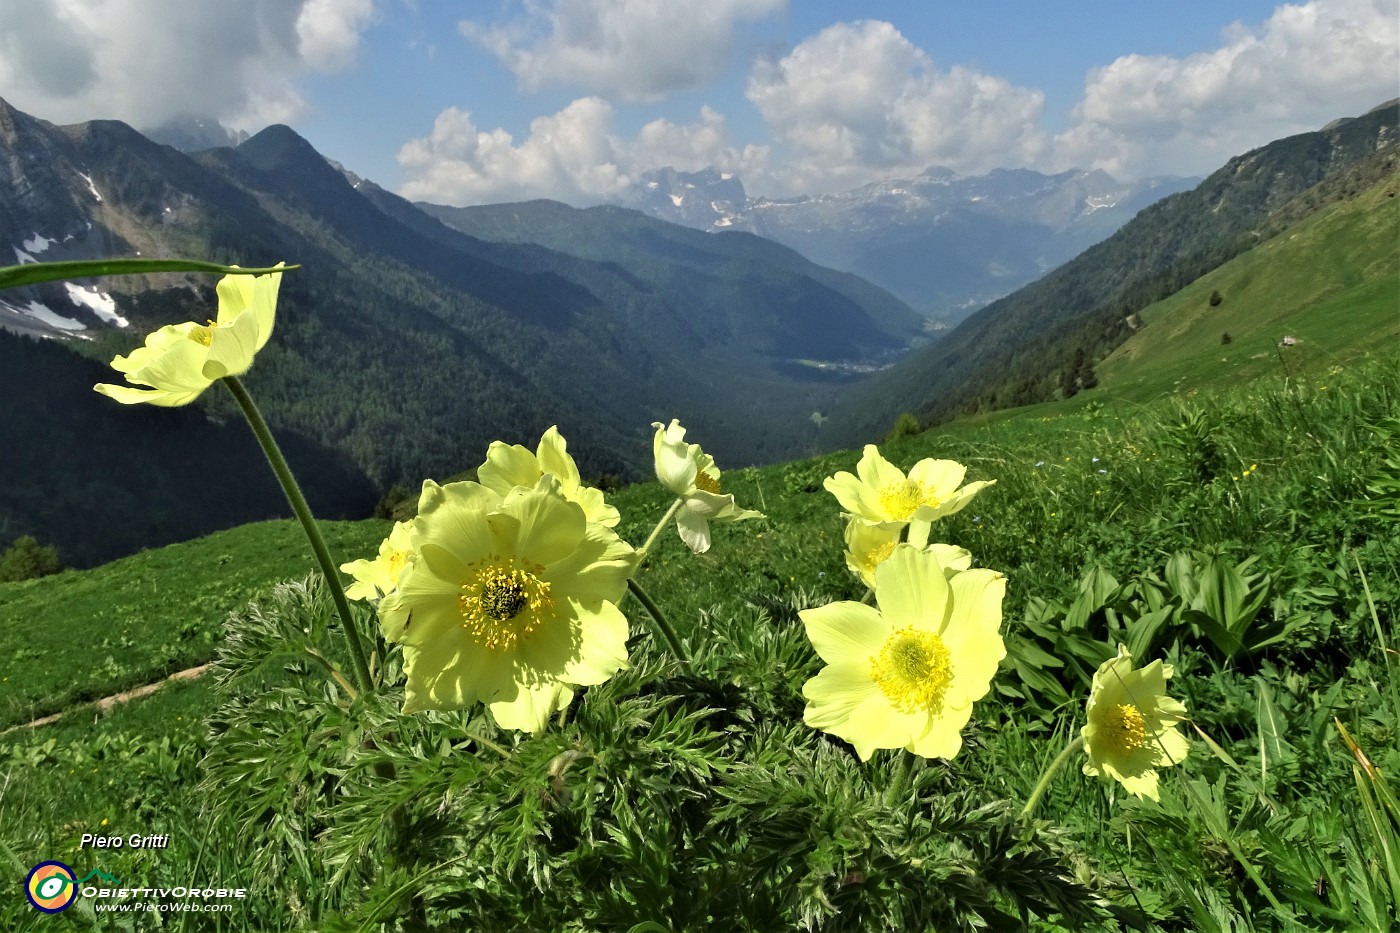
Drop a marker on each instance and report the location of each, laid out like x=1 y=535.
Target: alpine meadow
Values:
x=687 y=560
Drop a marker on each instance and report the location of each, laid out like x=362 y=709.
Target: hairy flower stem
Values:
x=656 y=532
x=303 y=512
x=899 y=779
x=1045 y=778
x=667 y=632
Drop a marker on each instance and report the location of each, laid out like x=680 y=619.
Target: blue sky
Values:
x=510 y=99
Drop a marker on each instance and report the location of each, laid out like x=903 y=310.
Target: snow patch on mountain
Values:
x=91 y=186
x=99 y=303
x=45 y=315
x=37 y=243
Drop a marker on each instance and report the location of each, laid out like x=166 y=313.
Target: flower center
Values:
x=203 y=334
x=880 y=553
x=502 y=604
x=706 y=483
x=902 y=499
x=396 y=562
x=1125 y=729
x=913 y=670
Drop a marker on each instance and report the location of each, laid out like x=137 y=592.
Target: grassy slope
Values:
x=1332 y=281
x=84 y=634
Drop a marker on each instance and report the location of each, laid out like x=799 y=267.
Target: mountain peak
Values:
x=277 y=146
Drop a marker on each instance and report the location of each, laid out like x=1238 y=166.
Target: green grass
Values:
x=1077 y=490
x=1331 y=281
x=81 y=635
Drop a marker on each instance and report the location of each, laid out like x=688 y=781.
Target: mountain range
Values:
x=1042 y=339
x=403 y=346
x=945 y=243
x=414 y=334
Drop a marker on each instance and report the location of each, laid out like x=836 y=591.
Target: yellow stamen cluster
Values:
x=913 y=670
x=904 y=498
x=706 y=483
x=502 y=604
x=880 y=554
x=1124 y=729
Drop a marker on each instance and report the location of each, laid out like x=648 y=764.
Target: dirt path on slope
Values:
x=105 y=705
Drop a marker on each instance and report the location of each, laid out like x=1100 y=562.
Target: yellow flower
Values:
x=378 y=577
x=868 y=546
x=691 y=474
x=510 y=601
x=510 y=465
x=180 y=361
x=881 y=493
x=1132 y=725
x=905 y=674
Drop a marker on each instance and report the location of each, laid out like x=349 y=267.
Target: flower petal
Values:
x=846 y=632
x=508 y=466
x=911 y=589
x=530 y=707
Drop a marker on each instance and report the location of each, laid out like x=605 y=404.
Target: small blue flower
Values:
x=1094 y=460
x=1039 y=464
x=1103 y=471
x=976 y=519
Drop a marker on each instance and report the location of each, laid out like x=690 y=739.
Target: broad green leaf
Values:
x=1142 y=631
x=32 y=273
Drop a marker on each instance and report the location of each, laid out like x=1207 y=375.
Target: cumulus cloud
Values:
x=1307 y=65
x=858 y=101
x=574 y=155
x=145 y=61
x=623 y=49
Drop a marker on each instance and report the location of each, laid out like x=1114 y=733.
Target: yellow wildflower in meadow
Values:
x=1132 y=725
x=879 y=492
x=180 y=361
x=511 y=465
x=905 y=672
x=868 y=546
x=691 y=474
x=507 y=600
x=379 y=577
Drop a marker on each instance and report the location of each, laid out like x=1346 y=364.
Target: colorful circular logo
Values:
x=51 y=887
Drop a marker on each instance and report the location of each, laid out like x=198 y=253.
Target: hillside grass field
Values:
x=1331 y=282
x=1282 y=483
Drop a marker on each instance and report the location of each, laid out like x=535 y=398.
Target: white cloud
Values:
x=623 y=49
x=858 y=101
x=574 y=155
x=1307 y=65
x=145 y=61
x=328 y=32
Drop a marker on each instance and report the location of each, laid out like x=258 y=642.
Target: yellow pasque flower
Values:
x=868 y=546
x=1131 y=730
x=905 y=674
x=511 y=465
x=880 y=492
x=691 y=474
x=507 y=600
x=379 y=577
x=180 y=361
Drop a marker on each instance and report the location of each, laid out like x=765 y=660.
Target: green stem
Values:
x=308 y=524
x=667 y=632
x=900 y=777
x=656 y=532
x=1049 y=774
